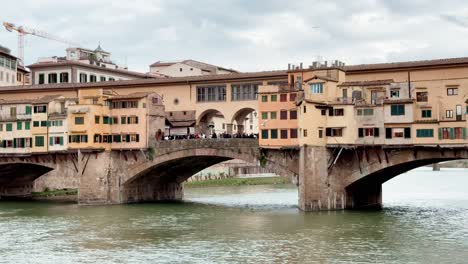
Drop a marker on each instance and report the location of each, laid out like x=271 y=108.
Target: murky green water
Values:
x=425 y=220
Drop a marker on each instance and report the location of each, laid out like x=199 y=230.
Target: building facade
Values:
x=187 y=68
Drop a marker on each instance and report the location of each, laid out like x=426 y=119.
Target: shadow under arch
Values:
x=367 y=191
x=16 y=179
x=240 y=117
x=203 y=120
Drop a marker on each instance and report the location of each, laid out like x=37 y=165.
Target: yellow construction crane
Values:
x=23 y=31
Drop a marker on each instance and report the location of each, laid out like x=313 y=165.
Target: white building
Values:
x=187 y=68
x=8 y=67
x=81 y=66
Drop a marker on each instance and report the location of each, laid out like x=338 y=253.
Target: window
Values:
x=452 y=91
x=424 y=132
x=97 y=119
x=283 y=115
x=305 y=109
x=115 y=120
x=36 y=123
x=132 y=120
x=264 y=98
x=64 y=77
x=293 y=114
x=19 y=125
x=123 y=120
x=394 y=93
x=79 y=120
x=41 y=78
x=241 y=92
x=274 y=133
x=397 y=110
x=368 y=132
x=102 y=78
x=39 y=141
x=426 y=113
x=92 y=78
x=324 y=112
x=292 y=97
x=264 y=115
x=105 y=120
x=449 y=113
x=320 y=133
x=334 y=132
x=460 y=132
x=111 y=79
x=284 y=133
x=305 y=132
x=338 y=112
x=52 y=78
x=55 y=141
x=283 y=97
x=293 y=133
x=274 y=97
x=211 y=93
x=40 y=109
x=398 y=132
x=83 y=78
x=180 y=69
x=365 y=112
x=421 y=97
x=316 y=88
x=44 y=123
x=27 y=125
x=78 y=138
x=9 y=127
x=272 y=115
x=13 y=112
x=264 y=134
x=28 y=109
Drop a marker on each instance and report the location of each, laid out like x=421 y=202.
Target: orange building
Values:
x=278 y=115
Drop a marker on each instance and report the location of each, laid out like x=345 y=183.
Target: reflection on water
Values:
x=421 y=223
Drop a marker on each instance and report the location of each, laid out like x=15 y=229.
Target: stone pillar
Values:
x=96 y=181
x=317 y=189
x=229 y=128
x=240 y=129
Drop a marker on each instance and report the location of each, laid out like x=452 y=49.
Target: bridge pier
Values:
x=317 y=189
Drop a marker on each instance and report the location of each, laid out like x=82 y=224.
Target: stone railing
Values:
x=167 y=146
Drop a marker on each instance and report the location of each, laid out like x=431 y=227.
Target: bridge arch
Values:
x=363 y=186
x=16 y=178
x=175 y=161
x=209 y=118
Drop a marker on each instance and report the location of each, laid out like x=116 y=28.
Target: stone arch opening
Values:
x=367 y=191
x=211 y=121
x=16 y=179
x=245 y=120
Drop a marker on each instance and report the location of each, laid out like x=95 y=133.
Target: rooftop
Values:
x=406 y=64
x=368 y=83
x=197 y=64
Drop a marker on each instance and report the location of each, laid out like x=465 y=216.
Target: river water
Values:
x=425 y=220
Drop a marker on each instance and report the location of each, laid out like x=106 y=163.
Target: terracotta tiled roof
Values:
x=398 y=101
x=325 y=78
x=196 y=64
x=406 y=64
x=236 y=77
x=367 y=83
x=181 y=118
x=86 y=65
x=131 y=96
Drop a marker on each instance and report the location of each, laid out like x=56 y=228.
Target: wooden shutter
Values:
x=388 y=132
x=361 y=132
x=376 y=132
x=407 y=132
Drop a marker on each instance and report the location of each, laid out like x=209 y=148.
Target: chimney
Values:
x=289 y=66
x=300 y=65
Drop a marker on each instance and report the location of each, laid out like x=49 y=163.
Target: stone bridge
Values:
x=158 y=173
x=328 y=178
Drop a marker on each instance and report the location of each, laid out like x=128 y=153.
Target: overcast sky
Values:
x=247 y=35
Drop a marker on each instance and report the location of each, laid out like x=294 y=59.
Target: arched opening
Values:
x=211 y=122
x=164 y=180
x=16 y=179
x=245 y=121
x=367 y=191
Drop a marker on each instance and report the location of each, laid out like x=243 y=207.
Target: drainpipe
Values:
x=409 y=84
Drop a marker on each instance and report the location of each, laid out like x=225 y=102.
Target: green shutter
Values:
x=127 y=138
x=452 y=133
x=27 y=125
x=61 y=141
x=51 y=141
x=28 y=110
x=136 y=120
x=464 y=132
x=440 y=133
x=14 y=143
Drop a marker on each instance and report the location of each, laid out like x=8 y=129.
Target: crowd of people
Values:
x=211 y=136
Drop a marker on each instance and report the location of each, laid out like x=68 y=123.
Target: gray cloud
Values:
x=244 y=34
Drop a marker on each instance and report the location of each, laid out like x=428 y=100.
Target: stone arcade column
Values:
x=317 y=189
